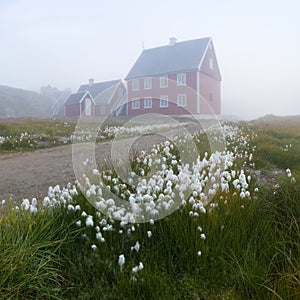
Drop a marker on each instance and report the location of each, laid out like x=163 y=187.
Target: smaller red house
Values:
x=80 y=104
x=110 y=97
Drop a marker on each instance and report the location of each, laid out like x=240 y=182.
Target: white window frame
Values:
x=147 y=83
x=163 y=81
x=164 y=99
x=181 y=100
x=181 y=79
x=147 y=102
x=135 y=85
x=211 y=63
x=135 y=104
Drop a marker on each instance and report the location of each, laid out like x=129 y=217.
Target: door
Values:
x=88 y=107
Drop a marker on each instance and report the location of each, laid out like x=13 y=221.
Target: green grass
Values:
x=36 y=126
x=31 y=247
x=272 y=147
x=44 y=133
x=251 y=250
x=249 y=253
x=39 y=134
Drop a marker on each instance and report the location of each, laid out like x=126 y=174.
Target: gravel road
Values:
x=29 y=174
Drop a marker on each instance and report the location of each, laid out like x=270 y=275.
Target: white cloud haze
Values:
x=63 y=43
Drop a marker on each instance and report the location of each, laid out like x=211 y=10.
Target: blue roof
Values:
x=97 y=88
x=75 y=98
x=105 y=97
x=182 y=56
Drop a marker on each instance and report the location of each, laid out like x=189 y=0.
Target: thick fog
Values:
x=63 y=43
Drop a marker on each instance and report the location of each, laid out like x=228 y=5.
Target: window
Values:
x=147 y=83
x=181 y=100
x=135 y=104
x=148 y=103
x=163 y=81
x=210 y=97
x=181 y=79
x=164 y=101
x=135 y=84
x=211 y=63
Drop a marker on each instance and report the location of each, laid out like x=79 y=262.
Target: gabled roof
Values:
x=181 y=56
x=77 y=98
x=97 y=88
x=105 y=97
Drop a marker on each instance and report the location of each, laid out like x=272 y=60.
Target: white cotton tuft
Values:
x=136 y=247
x=121 y=260
x=89 y=221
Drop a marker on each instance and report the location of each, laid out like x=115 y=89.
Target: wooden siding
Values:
x=210 y=90
x=78 y=109
x=172 y=91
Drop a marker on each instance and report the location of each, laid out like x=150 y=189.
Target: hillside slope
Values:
x=278 y=120
x=19 y=103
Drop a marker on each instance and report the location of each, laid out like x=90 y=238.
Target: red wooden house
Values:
x=80 y=104
x=110 y=97
x=178 y=79
x=97 y=99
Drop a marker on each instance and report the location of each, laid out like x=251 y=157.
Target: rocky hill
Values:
x=19 y=103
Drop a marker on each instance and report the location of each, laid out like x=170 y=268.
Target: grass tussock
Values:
x=31 y=247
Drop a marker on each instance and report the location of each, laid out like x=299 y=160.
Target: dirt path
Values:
x=29 y=174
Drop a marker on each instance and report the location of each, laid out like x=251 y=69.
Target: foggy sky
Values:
x=63 y=43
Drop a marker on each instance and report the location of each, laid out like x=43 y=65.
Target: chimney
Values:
x=172 y=41
x=91 y=81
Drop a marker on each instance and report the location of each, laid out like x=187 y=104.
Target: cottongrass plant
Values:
x=243 y=244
